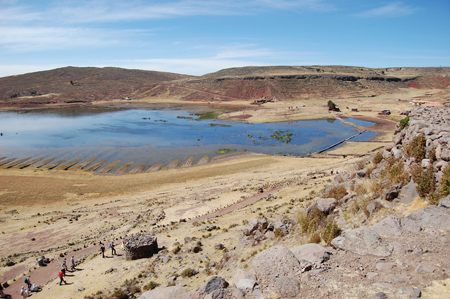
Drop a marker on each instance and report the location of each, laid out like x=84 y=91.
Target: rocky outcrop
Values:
x=275 y=262
x=140 y=246
x=174 y=292
x=362 y=241
x=312 y=253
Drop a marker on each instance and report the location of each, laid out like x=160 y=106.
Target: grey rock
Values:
x=242 y=274
x=374 y=206
x=433 y=217
x=258 y=294
x=311 y=209
x=393 y=192
x=287 y=287
x=277 y=261
x=394 y=226
x=384 y=267
x=411 y=292
x=213 y=284
x=326 y=205
x=362 y=241
x=348 y=197
x=445 y=202
x=425 y=269
x=408 y=192
x=175 y=292
x=362 y=173
x=380 y=295
x=225 y=294
x=279 y=228
x=425 y=163
x=313 y=253
x=245 y=284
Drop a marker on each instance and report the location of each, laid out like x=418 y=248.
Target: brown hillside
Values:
x=84 y=85
x=78 y=85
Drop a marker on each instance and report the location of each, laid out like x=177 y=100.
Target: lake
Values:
x=160 y=134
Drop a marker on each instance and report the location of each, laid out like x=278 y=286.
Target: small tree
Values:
x=331 y=105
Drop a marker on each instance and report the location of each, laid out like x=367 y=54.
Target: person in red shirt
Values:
x=61 y=277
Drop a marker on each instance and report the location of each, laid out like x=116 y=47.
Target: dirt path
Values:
x=44 y=275
x=238 y=206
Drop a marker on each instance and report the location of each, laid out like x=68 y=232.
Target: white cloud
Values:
x=391 y=10
x=26 y=39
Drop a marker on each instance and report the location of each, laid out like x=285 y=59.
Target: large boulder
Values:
x=362 y=241
x=287 y=287
x=396 y=226
x=312 y=253
x=275 y=262
x=140 y=246
x=326 y=205
x=230 y=293
x=175 y=292
x=409 y=192
x=213 y=284
x=432 y=216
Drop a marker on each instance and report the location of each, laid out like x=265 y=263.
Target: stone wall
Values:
x=140 y=246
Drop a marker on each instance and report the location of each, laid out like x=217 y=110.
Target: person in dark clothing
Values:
x=102 y=249
x=113 y=250
x=61 y=277
x=28 y=282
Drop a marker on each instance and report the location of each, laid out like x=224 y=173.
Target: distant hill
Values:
x=79 y=85
x=85 y=85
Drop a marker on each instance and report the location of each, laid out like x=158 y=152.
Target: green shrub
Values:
x=377 y=158
x=188 y=272
x=176 y=249
x=151 y=285
x=331 y=231
x=119 y=294
x=310 y=223
x=395 y=171
x=404 y=122
x=444 y=185
x=417 y=148
x=425 y=183
x=337 y=192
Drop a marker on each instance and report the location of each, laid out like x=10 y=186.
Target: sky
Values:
x=199 y=37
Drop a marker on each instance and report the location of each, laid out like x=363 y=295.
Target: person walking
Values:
x=102 y=249
x=28 y=282
x=72 y=264
x=23 y=293
x=113 y=250
x=61 y=276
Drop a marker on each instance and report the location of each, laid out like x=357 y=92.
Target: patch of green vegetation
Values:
x=209 y=115
x=185 y=117
x=404 y=122
x=225 y=150
x=282 y=136
x=219 y=125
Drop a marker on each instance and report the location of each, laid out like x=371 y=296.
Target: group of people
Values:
x=112 y=246
x=25 y=292
x=64 y=268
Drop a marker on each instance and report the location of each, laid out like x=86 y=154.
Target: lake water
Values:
x=163 y=134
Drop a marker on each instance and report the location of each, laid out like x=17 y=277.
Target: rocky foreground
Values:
x=388 y=224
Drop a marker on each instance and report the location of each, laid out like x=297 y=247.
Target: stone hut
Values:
x=140 y=246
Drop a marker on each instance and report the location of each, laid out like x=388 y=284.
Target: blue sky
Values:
x=199 y=37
